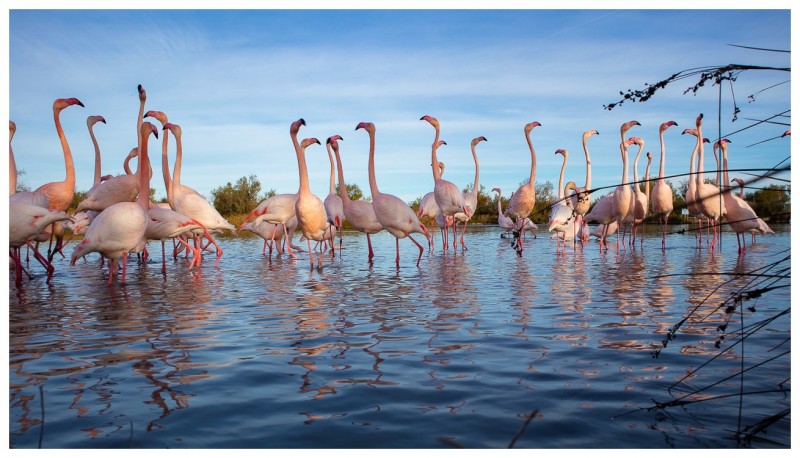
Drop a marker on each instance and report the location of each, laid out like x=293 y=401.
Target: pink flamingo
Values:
x=25 y=222
x=310 y=210
x=707 y=196
x=448 y=197
x=691 y=190
x=120 y=228
x=428 y=207
x=189 y=202
x=524 y=198
x=334 y=207
x=740 y=216
x=763 y=227
x=640 y=200
x=56 y=195
x=394 y=215
x=661 y=196
x=505 y=223
x=621 y=204
x=12 y=165
x=359 y=213
x=581 y=199
x=471 y=197
x=561 y=213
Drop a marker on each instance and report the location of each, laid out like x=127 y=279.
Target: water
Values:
x=458 y=352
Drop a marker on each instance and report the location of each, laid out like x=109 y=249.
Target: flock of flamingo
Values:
x=117 y=217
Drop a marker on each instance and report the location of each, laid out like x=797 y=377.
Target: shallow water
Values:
x=458 y=352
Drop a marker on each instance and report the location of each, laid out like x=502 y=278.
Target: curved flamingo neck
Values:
x=726 y=187
x=499 y=205
x=699 y=176
x=342 y=187
x=624 y=164
x=332 y=188
x=12 y=167
x=636 y=169
x=647 y=182
x=532 y=181
x=477 y=172
x=144 y=178
x=588 y=164
x=96 y=156
x=176 y=170
x=165 y=168
x=437 y=175
x=662 y=160
x=305 y=189
x=373 y=184
x=561 y=178
x=70 y=180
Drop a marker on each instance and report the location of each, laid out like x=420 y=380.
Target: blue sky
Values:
x=235 y=80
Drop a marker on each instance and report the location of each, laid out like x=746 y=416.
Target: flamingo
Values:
x=394 y=215
x=524 y=199
x=359 y=213
x=428 y=207
x=268 y=232
x=707 y=196
x=661 y=196
x=621 y=204
x=121 y=227
x=448 y=197
x=56 y=195
x=561 y=213
x=333 y=203
x=609 y=229
x=763 y=227
x=691 y=190
x=505 y=223
x=123 y=188
x=580 y=197
x=602 y=212
x=165 y=223
x=189 y=202
x=640 y=199
x=25 y=222
x=740 y=216
x=310 y=210
x=471 y=197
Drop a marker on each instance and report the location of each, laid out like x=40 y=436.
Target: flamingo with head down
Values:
x=394 y=215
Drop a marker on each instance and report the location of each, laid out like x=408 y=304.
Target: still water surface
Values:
x=458 y=352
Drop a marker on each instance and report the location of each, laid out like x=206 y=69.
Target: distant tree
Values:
x=239 y=198
x=771 y=203
x=77 y=197
x=545 y=197
x=353 y=191
x=21 y=185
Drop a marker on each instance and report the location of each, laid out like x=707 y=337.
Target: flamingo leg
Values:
x=397 y=250
x=289 y=242
x=369 y=244
x=418 y=246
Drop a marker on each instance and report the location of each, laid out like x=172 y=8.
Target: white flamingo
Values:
x=25 y=222
x=621 y=204
x=333 y=203
x=707 y=196
x=661 y=196
x=763 y=227
x=581 y=198
x=471 y=197
x=394 y=215
x=561 y=214
x=740 y=216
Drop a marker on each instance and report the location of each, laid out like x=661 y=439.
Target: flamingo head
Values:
x=626 y=126
x=589 y=133
x=529 y=127
x=690 y=132
x=649 y=156
x=159 y=115
x=667 y=125
x=562 y=152
x=738 y=180
x=309 y=141
x=60 y=104
x=92 y=120
x=477 y=140
x=635 y=140
x=368 y=126
x=440 y=143
x=174 y=128
x=788 y=132
x=699 y=120
x=433 y=121
x=294 y=128
x=148 y=128
x=497 y=190
x=142 y=93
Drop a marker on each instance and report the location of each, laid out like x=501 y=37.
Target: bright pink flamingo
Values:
x=359 y=213
x=661 y=197
x=621 y=204
x=120 y=228
x=189 y=202
x=25 y=222
x=334 y=207
x=310 y=210
x=524 y=198
x=394 y=215
x=471 y=197
x=448 y=197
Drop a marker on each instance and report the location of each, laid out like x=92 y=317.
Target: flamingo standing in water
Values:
x=581 y=199
x=763 y=227
x=505 y=223
x=189 y=202
x=428 y=207
x=561 y=214
x=333 y=204
x=394 y=215
x=691 y=190
x=12 y=165
x=310 y=210
x=524 y=199
x=621 y=203
x=448 y=197
x=56 y=195
x=359 y=213
x=661 y=196
x=471 y=197
x=640 y=200
x=707 y=196
x=740 y=216
x=25 y=222
x=120 y=228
